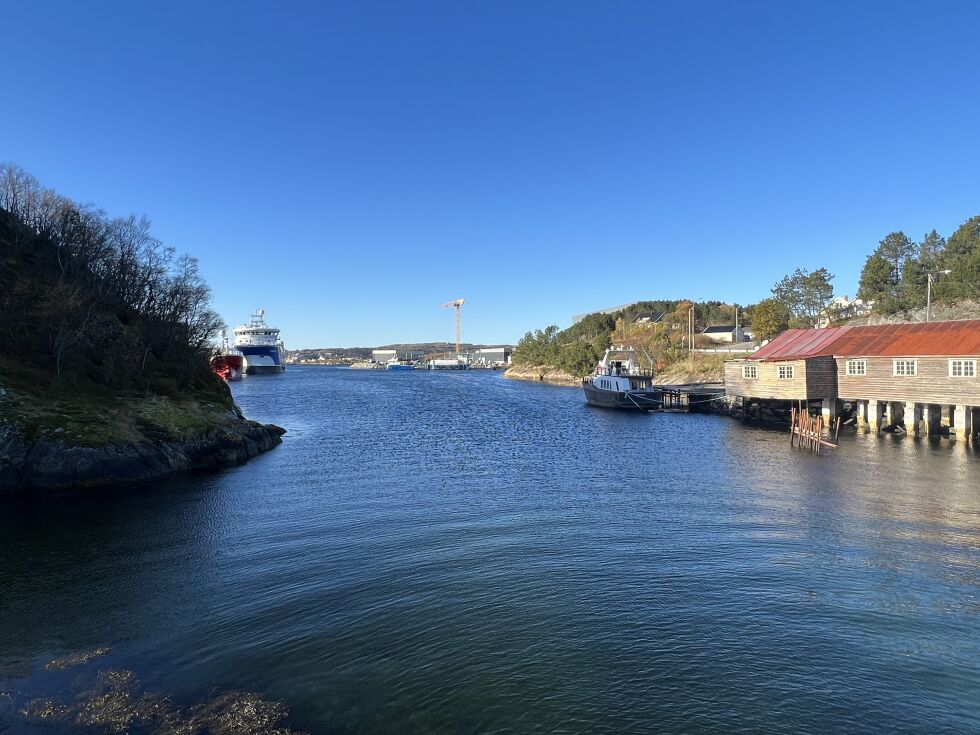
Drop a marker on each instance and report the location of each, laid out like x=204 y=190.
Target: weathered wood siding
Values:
x=803 y=386
x=932 y=384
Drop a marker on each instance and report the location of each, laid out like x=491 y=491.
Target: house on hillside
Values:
x=724 y=334
x=843 y=308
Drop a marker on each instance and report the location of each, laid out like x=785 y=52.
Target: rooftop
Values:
x=954 y=338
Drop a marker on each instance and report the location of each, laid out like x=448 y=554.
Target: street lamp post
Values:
x=929 y=289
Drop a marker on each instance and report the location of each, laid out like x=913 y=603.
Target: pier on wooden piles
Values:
x=694 y=397
x=806 y=431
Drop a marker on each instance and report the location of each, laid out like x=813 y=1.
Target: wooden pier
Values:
x=692 y=397
x=806 y=431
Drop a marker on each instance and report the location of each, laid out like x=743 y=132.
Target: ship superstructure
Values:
x=264 y=351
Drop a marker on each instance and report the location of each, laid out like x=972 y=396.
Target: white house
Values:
x=844 y=308
x=724 y=333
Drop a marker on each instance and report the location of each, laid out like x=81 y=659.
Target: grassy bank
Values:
x=86 y=414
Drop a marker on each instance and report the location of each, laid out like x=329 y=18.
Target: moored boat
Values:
x=619 y=383
x=227 y=362
x=264 y=351
x=395 y=364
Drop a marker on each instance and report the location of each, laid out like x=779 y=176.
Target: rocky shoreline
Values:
x=543 y=374
x=47 y=464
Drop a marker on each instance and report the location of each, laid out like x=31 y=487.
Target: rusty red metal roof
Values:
x=799 y=344
x=954 y=339
x=932 y=339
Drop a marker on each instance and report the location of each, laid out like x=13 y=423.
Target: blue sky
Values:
x=350 y=166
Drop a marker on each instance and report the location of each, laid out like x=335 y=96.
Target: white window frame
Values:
x=964 y=366
x=857 y=368
x=910 y=368
x=750 y=372
x=786 y=372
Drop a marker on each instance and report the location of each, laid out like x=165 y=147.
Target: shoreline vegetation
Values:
x=105 y=378
x=897 y=280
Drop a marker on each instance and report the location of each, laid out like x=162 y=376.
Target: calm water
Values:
x=462 y=553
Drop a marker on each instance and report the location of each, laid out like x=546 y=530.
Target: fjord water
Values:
x=456 y=552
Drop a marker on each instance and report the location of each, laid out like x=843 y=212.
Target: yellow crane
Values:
x=457 y=303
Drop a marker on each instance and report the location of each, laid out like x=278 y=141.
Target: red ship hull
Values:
x=229 y=367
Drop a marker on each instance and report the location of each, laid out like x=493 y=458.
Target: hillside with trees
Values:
x=107 y=333
x=895 y=276
x=657 y=330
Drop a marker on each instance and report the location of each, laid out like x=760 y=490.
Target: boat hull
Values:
x=634 y=400
x=228 y=367
x=261 y=360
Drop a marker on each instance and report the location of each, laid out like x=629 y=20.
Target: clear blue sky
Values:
x=351 y=165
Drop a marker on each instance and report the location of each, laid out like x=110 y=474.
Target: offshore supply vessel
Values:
x=264 y=351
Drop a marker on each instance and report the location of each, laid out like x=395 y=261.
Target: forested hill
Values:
x=96 y=312
x=657 y=329
x=87 y=300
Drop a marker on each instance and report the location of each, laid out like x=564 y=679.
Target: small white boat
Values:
x=619 y=382
x=395 y=364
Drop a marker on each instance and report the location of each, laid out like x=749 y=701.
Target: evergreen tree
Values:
x=931 y=250
x=962 y=258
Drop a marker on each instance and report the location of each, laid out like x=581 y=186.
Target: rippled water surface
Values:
x=455 y=552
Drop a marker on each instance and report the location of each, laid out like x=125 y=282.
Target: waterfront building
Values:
x=491 y=355
x=798 y=365
x=923 y=377
x=386 y=354
x=383 y=355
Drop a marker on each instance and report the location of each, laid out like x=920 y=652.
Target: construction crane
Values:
x=448 y=305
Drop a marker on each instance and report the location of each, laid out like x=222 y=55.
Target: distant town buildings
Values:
x=384 y=355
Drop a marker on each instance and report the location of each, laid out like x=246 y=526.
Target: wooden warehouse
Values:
x=798 y=365
x=921 y=376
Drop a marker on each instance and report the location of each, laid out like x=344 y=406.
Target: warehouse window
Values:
x=904 y=367
x=750 y=371
x=857 y=367
x=962 y=368
x=786 y=372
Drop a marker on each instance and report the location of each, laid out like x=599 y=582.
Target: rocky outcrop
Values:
x=543 y=374
x=52 y=464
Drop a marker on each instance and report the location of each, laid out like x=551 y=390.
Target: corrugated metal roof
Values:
x=799 y=344
x=954 y=339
